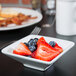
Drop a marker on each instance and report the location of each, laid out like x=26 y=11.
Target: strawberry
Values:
x=22 y=49
x=58 y=48
x=45 y=52
x=41 y=40
x=33 y=54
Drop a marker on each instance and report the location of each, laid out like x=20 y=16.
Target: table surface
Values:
x=65 y=66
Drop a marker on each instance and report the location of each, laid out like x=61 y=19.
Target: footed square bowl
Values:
x=35 y=63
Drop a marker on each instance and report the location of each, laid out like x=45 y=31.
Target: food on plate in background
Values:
x=7 y=13
x=1 y=18
x=8 y=16
x=18 y=19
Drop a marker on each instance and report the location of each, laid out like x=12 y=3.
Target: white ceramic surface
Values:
x=25 y=24
x=35 y=63
x=66 y=17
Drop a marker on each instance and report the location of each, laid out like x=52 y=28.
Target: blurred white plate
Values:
x=35 y=63
x=25 y=24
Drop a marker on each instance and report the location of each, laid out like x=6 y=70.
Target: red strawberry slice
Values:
x=22 y=49
x=58 y=48
x=45 y=52
x=33 y=54
x=41 y=40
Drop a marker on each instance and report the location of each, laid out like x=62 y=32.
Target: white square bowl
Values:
x=35 y=63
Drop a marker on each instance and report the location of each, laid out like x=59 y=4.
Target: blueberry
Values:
x=35 y=40
x=32 y=48
x=30 y=42
x=34 y=43
x=52 y=43
x=26 y=43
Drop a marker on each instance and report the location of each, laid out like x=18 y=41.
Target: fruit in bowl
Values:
x=39 y=49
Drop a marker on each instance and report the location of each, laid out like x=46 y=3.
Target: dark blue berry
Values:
x=52 y=43
x=26 y=44
x=34 y=43
x=30 y=42
x=32 y=48
x=35 y=40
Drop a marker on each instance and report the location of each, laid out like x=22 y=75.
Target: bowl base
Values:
x=36 y=68
x=33 y=67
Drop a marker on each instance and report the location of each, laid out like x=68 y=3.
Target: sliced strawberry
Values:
x=22 y=49
x=45 y=52
x=41 y=40
x=33 y=54
x=58 y=48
